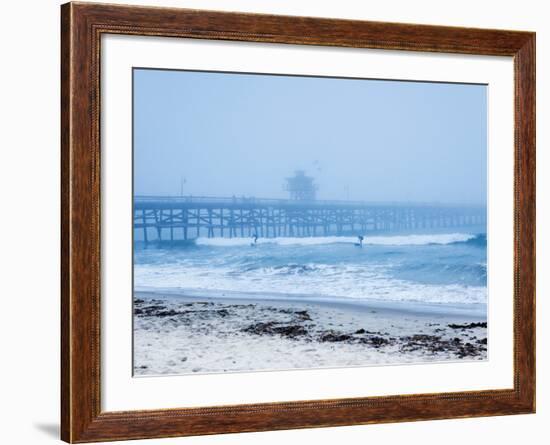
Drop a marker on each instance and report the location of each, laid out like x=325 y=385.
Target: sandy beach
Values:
x=190 y=332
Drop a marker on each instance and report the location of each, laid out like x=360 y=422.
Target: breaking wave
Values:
x=431 y=268
x=397 y=240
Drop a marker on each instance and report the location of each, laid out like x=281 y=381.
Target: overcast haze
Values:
x=238 y=134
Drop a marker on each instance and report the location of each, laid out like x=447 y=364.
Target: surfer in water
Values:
x=360 y=243
x=255 y=237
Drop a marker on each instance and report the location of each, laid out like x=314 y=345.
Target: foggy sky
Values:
x=241 y=135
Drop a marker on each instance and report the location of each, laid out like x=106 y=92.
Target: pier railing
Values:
x=141 y=200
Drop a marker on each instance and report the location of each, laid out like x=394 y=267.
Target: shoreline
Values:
x=201 y=332
x=471 y=310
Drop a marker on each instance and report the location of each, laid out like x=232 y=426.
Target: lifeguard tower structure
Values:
x=301 y=187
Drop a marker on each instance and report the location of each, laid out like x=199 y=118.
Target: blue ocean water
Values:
x=438 y=268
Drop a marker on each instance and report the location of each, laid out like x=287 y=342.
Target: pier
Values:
x=158 y=218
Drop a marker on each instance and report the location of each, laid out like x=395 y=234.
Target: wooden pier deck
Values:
x=188 y=217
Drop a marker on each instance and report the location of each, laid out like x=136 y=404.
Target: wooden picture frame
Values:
x=82 y=25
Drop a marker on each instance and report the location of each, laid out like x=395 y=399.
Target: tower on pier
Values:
x=301 y=187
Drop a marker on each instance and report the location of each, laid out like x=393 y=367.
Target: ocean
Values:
x=428 y=268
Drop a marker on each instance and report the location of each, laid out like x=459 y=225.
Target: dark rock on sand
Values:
x=149 y=310
x=375 y=341
x=335 y=337
x=274 y=328
x=482 y=324
x=435 y=344
x=303 y=315
x=168 y=313
x=468 y=350
x=299 y=315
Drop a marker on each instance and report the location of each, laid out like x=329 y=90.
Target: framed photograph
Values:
x=274 y=222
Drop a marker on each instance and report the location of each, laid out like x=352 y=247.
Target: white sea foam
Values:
x=398 y=240
x=325 y=281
